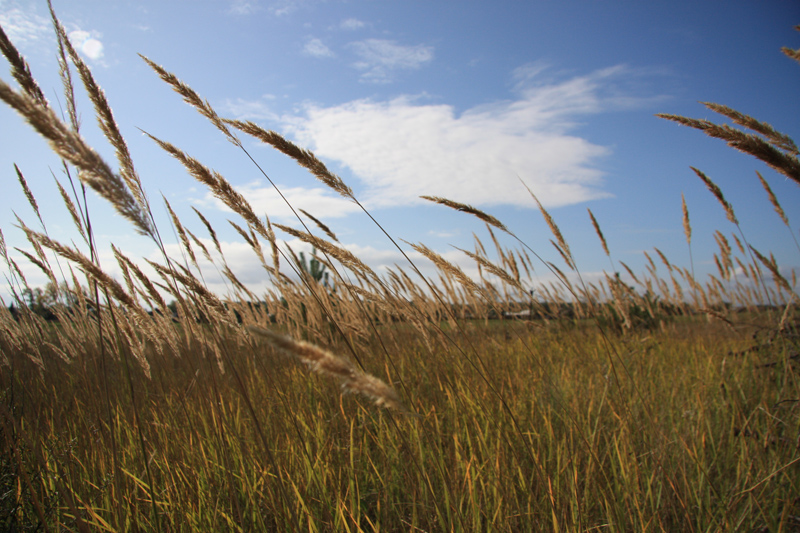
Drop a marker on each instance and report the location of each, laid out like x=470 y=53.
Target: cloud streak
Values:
x=24 y=28
x=379 y=58
x=316 y=48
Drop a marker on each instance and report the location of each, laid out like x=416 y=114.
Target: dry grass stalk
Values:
x=794 y=54
x=237 y=282
x=242 y=232
x=651 y=265
x=324 y=362
x=68 y=145
x=465 y=208
x=73 y=211
x=447 y=267
x=773 y=199
x=200 y=245
x=337 y=252
x=494 y=269
x=738 y=243
x=717 y=192
x=562 y=247
x=181 y=233
x=192 y=98
x=66 y=76
x=563 y=254
x=777 y=139
x=772 y=266
x=512 y=265
x=524 y=264
x=105 y=117
x=687 y=228
x=210 y=229
x=725 y=250
x=218 y=185
x=144 y=280
x=304 y=158
x=273 y=243
x=723 y=273
x=196 y=290
x=28 y=193
x=785 y=163
x=89 y=268
x=18 y=271
x=320 y=225
x=630 y=273
x=30 y=257
x=561 y=276
x=599 y=233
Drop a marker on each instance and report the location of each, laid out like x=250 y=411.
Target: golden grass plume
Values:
x=324 y=362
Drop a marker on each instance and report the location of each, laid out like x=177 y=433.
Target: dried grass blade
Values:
x=773 y=199
x=68 y=145
x=779 y=140
x=303 y=157
x=717 y=192
x=192 y=98
x=599 y=233
x=465 y=208
x=786 y=164
x=325 y=363
x=105 y=117
x=320 y=225
x=347 y=258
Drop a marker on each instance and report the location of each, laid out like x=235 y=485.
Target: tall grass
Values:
x=662 y=403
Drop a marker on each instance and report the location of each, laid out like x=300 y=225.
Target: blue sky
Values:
x=405 y=98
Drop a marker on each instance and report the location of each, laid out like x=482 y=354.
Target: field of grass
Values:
x=347 y=400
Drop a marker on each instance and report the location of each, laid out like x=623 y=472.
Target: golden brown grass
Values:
x=351 y=378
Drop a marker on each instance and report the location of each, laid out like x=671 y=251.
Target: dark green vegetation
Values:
x=667 y=405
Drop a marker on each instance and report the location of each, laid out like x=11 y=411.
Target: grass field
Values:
x=348 y=400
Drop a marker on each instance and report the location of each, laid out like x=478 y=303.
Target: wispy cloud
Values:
x=87 y=43
x=316 y=48
x=351 y=24
x=251 y=109
x=23 y=27
x=401 y=148
x=378 y=58
x=244 y=7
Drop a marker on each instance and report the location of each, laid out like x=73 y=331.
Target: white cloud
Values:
x=84 y=42
x=316 y=48
x=379 y=57
x=251 y=110
x=351 y=24
x=401 y=149
x=22 y=27
x=244 y=7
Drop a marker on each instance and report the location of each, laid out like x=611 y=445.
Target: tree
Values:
x=314 y=268
x=41 y=301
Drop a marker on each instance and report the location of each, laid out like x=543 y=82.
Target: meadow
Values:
x=345 y=399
